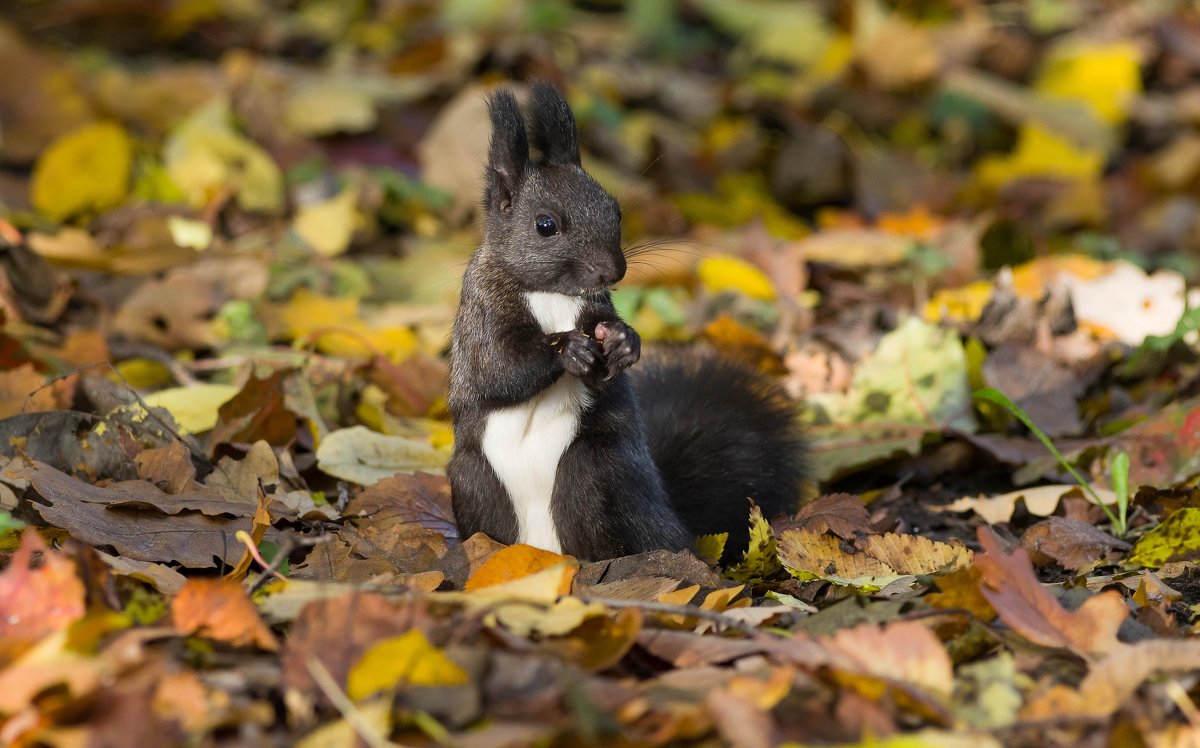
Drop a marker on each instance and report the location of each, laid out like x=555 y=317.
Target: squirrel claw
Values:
x=622 y=346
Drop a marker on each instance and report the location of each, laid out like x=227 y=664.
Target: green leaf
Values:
x=761 y=561
x=710 y=547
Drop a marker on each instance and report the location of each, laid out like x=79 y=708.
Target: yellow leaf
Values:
x=143 y=372
x=723 y=599
x=963 y=304
x=406 y=659
x=327 y=226
x=194 y=408
x=725 y=273
x=681 y=596
x=86 y=170
x=335 y=327
x=206 y=158
x=710 y=547
x=1104 y=77
x=556 y=619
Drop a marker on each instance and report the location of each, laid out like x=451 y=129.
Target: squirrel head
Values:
x=546 y=218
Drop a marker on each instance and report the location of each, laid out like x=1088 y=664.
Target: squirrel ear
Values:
x=508 y=153
x=554 y=131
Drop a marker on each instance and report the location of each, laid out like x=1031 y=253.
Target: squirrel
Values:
x=558 y=443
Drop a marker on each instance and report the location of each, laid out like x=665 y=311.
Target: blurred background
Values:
x=184 y=179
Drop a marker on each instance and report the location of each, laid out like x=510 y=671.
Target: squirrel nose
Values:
x=608 y=273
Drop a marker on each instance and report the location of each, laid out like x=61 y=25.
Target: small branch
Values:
x=345 y=706
x=688 y=611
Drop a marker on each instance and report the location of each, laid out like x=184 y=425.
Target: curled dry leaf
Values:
x=843 y=514
x=1070 y=543
x=1011 y=586
x=1041 y=501
x=220 y=609
x=905 y=652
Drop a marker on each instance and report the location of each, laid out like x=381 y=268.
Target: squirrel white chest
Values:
x=525 y=442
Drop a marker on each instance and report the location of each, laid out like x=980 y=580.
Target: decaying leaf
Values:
x=1012 y=588
x=220 y=609
x=36 y=601
x=874 y=563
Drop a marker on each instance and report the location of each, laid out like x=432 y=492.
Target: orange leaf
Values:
x=1011 y=586
x=514 y=562
x=220 y=609
x=36 y=602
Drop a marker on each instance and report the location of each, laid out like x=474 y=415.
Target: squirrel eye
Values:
x=546 y=225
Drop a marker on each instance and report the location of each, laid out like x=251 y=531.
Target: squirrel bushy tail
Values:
x=720 y=434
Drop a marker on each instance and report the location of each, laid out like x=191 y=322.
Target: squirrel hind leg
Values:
x=720 y=434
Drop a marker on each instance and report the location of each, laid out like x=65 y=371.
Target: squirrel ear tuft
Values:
x=508 y=153
x=554 y=131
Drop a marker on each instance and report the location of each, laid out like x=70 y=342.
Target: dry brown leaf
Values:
x=220 y=609
x=600 y=641
x=1011 y=586
x=170 y=467
x=905 y=652
x=1070 y=543
x=843 y=514
x=23 y=390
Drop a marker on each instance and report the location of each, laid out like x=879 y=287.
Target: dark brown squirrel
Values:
x=557 y=443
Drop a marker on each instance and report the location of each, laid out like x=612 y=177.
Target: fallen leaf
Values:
x=761 y=560
x=879 y=560
x=170 y=467
x=408 y=659
x=195 y=538
x=362 y=456
x=36 y=602
x=327 y=226
x=194 y=408
x=515 y=562
x=1070 y=543
x=103 y=152
x=599 y=642
x=1041 y=501
x=723 y=273
x=419 y=498
x=1176 y=538
x=905 y=652
x=843 y=514
x=207 y=158
x=1012 y=588
x=257 y=412
x=23 y=390
x=220 y=609
x=339 y=631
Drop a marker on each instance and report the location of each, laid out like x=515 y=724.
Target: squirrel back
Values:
x=556 y=444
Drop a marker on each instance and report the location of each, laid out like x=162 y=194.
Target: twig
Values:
x=345 y=706
x=689 y=611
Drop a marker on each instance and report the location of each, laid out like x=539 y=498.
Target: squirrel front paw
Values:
x=621 y=344
x=580 y=354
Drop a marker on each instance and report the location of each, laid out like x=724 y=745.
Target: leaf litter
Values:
x=230 y=244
